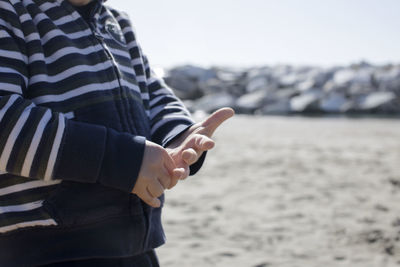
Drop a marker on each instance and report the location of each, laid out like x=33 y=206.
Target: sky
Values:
x=245 y=33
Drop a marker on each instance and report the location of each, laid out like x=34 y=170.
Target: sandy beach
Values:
x=287 y=192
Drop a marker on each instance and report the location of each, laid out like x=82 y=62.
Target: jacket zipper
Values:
x=110 y=57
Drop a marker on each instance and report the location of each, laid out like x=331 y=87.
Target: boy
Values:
x=89 y=138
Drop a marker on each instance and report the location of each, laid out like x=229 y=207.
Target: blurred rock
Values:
x=184 y=87
x=283 y=89
x=284 y=93
x=210 y=103
x=260 y=79
x=257 y=84
x=385 y=101
x=334 y=103
x=186 y=80
x=279 y=107
x=249 y=103
x=193 y=72
x=388 y=79
x=306 y=102
x=344 y=77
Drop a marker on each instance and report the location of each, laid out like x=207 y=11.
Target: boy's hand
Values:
x=188 y=148
x=156 y=174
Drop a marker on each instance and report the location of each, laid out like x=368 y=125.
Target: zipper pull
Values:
x=98 y=36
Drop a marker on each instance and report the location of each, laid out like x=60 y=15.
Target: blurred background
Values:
x=263 y=32
x=308 y=172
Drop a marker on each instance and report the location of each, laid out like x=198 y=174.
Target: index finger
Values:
x=216 y=119
x=150 y=200
x=168 y=163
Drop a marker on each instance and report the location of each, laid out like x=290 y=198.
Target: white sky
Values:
x=266 y=32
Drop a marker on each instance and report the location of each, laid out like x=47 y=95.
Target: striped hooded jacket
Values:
x=77 y=102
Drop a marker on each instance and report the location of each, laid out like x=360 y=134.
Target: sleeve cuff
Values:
x=122 y=160
x=93 y=153
x=195 y=167
x=175 y=132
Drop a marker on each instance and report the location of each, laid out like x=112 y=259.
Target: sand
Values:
x=280 y=191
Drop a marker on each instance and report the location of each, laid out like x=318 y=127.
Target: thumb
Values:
x=215 y=120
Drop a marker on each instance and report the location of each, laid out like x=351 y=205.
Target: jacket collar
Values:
x=95 y=13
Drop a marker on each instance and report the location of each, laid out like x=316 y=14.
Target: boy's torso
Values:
x=78 y=68
x=91 y=73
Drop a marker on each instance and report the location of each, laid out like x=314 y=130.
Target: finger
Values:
x=216 y=119
x=173 y=183
x=186 y=173
x=189 y=156
x=165 y=176
x=203 y=142
x=150 y=200
x=155 y=188
x=164 y=180
x=168 y=163
x=177 y=175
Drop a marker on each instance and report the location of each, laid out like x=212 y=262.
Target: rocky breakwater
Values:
x=356 y=89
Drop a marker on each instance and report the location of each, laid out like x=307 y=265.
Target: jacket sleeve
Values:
x=169 y=117
x=36 y=142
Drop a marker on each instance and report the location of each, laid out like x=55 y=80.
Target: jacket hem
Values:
x=111 y=238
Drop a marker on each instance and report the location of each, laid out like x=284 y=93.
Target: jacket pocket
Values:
x=75 y=203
